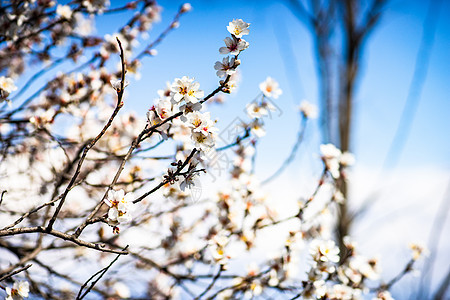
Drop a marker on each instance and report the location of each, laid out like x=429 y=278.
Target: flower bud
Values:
x=186 y=8
x=152 y=52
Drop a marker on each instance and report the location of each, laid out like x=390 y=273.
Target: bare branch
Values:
x=58 y=234
x=102 y=272
x=92 y=143
x=15 y=272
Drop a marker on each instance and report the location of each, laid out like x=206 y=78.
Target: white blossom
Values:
x=233 y=45
x=308 y=109
x=165 y=93
x=42 y=117
x=255 y=111
x=238 y=28
x=186 y=7
x=122 y=290
x=201 y=122
x=164 y=108
x=418 y=249
x=383 y=295
x=324 y=251
x=204 y=142
x=6 y=86
x=189 y=108
x=331 y=156
x=217 y=246
x=368 y=268
x=84 y=26
x=270 y=88
x=226 y=67
x=256 y=127
x=119 y=207
x=329 y=151
x=19 y=291
x=64 y=11
x=188 y=181
x=230 y=86
x=186 y=89
x=347 y=159
x=117 y=84
x=341 y=292
x=258 y=110
x=154 y=119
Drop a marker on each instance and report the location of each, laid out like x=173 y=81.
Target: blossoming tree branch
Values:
x=93 y=204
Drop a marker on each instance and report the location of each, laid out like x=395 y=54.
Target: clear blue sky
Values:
x=387 y=71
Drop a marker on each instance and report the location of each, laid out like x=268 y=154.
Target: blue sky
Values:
x=387 y=70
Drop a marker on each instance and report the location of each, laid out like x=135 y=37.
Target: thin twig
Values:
x=162 y=183
x=1 y=197
x=209 y=287
x=102 y=272
x=239 y=139
x=94 y=141
x=161 y=36
x=290 y=158
x=15 y=272
x=406 y=270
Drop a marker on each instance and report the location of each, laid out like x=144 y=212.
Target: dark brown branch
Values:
x=15 y=272
x=1 y=197
x=59 y=234
x=31 y=212
x=164 y=182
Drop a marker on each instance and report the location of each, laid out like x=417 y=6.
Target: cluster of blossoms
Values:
x=324 y=256
x=335 y=161
x=233 y=46
x=177 y=113
x=330 y=280
x=262 y=106
x=19 y=291
x=418 y=250
x=217 y=249
x=119 y=207
x=190 y=175
x=184 y=95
